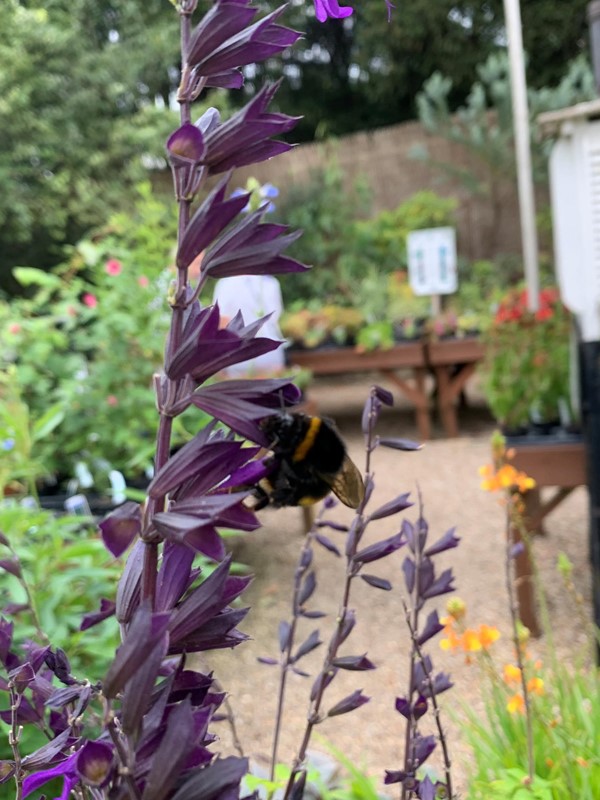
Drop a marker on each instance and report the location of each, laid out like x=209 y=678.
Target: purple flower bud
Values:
x=325 y=542
x=11 y=565
x=399 y=444
x=394 y=776
x=403 y=707
x=349 y=703
x=271 y=662
x=376 y=582
x=448 y=541
x=284 y=635
x=432 y=627
x=442 y=585
x=21 y=677
x=356 y=663
x=409 y=569
x=379 y=550
x=427 y=790
x=308 y=587
x=392 y=507
x=309 y=644
x=322 y=682
x=423 y=748
x=419 y=707
x=186 y=144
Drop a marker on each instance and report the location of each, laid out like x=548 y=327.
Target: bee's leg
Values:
x=261 y=496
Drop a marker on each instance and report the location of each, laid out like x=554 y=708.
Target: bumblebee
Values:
x=308 y=460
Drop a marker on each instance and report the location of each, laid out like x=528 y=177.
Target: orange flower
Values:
x=516 y=704
x=536 y=685
x=511 y=674
x=452 y=641
x=470 y=641
x=488 y=635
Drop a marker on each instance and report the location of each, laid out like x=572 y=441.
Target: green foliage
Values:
x=367 y=72
x=527 y=363
x=19 y=468
x=482 y=127
x=64 y=572
x=566 y=731
x=88 y=338
x=74 y=132
x=325 y=211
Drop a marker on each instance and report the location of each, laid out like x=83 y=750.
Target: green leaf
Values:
x=48 y=422
x=29 y=276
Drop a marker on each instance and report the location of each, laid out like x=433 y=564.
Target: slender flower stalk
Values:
x=356 y=558
x=517 y=640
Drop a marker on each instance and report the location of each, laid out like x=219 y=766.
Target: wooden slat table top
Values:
x=336 y=360
x=455 y=351
x=553 y=463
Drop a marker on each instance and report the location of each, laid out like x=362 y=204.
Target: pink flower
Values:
x=90 y=300
x=143 y=281
x=112 y=400
x=71 y=311
x=14 y=328
x=113 y=267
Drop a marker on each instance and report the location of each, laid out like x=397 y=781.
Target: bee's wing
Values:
x=348 y=484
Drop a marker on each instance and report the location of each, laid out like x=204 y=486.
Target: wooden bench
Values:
x=558 y=464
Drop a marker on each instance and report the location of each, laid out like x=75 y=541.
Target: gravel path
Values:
x=447 y=473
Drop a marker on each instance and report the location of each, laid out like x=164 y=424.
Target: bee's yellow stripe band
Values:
x=308 y=441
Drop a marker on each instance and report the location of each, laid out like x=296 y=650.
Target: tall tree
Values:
x=75 y=116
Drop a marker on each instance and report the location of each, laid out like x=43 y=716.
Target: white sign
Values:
x=432 y=261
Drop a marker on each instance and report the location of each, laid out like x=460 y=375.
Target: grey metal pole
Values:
x=512 y=13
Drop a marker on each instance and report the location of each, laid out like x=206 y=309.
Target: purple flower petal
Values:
x=186 y=143
x=143 y=634
x=94 y=763
x=120 y=528
x=212 y=216
x=241 y=404
x=330 y=9
x=107 y=609
x=218 y=781
x=128 y=590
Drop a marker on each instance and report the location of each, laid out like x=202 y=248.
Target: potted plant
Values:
x=527 y=364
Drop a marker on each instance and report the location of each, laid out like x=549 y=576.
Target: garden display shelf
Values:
x=451 y=361
x=555 y=460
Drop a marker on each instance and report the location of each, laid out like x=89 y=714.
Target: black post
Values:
x=589 y=360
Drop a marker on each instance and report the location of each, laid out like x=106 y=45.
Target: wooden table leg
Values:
x=417 y=395
x=448 y=389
